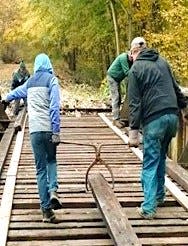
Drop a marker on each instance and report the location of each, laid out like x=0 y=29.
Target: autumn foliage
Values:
x=87 y=35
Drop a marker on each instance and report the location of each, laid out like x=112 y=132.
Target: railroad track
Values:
x=94 y=217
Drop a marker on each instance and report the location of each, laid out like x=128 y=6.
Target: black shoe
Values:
x=48 y=215
x=55 y=201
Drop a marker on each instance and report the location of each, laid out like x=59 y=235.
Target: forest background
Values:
x=82 y=37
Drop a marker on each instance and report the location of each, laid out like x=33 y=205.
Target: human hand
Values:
x=133 y=138
x=56 y=138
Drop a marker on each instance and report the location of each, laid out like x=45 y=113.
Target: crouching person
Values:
x=42 y=92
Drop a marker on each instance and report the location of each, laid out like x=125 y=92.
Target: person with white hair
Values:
x=155 y=100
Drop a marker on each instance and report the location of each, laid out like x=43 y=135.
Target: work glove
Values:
x=5 y=104
x=133 y=138
x=56 y=138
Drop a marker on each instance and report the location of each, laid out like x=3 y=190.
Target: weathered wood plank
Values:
x=117 y=222
x=55 y=234
x=85 y=221
x=93 y=233
x=5 y=143
x=175 y=191
x=172 y=241
x=86 y=242
x=164 y=241
x=178 y=173
x=7 y=198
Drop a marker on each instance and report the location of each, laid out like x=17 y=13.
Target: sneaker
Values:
x=48 y=215
x=118 y=123
x=55 y=201
x=145 y=215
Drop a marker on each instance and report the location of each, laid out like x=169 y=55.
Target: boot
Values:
x=48 y=215
x=55 y=201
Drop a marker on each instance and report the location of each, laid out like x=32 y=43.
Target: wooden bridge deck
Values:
x=81 y=221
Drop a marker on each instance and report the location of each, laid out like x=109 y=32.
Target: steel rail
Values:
x=8 y=192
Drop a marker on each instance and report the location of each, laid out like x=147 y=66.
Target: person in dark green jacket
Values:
x=155 y=101
x=19 y=77
x=116 y=73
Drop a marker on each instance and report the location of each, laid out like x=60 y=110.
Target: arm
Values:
x=134 y=100
x=18 y=93
x=125 y=64
x=55 y=105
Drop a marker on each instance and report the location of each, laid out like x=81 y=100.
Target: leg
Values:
x=16 y=106
x=172 y=124
x=25 y=103
x=38 y=146
x=51 y=163
x=149 y=174
x=157 y=136
x=52 y=172
x=115 y=96
x=154 y=133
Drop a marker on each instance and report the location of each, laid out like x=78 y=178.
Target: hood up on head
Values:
x=148 y=54
x=22 y=65
x=42 y=63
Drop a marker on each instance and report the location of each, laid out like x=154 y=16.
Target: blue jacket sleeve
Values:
x=18 y=93
x=55 y=105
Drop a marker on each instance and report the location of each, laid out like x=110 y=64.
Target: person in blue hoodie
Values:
x=43 y=99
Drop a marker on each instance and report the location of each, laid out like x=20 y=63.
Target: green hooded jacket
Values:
x=119 y=68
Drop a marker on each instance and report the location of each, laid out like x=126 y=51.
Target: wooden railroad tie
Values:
x=114 y=217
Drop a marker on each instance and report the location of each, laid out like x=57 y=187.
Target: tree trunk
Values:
x=114 y=17
x=128 y=13
x=71 y=59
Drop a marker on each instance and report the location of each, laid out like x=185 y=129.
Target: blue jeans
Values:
x=115 y=96
x=46 y=167
x=157 y=136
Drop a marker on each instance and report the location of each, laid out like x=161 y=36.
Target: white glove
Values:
x=56 y=138
x=133 y=138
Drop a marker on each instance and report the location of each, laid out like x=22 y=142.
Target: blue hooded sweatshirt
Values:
x=43 y=99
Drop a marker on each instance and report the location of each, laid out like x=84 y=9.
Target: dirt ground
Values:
x=6 y=71
x=72 y=94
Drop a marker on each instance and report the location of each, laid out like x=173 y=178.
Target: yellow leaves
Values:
x=171 y=41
